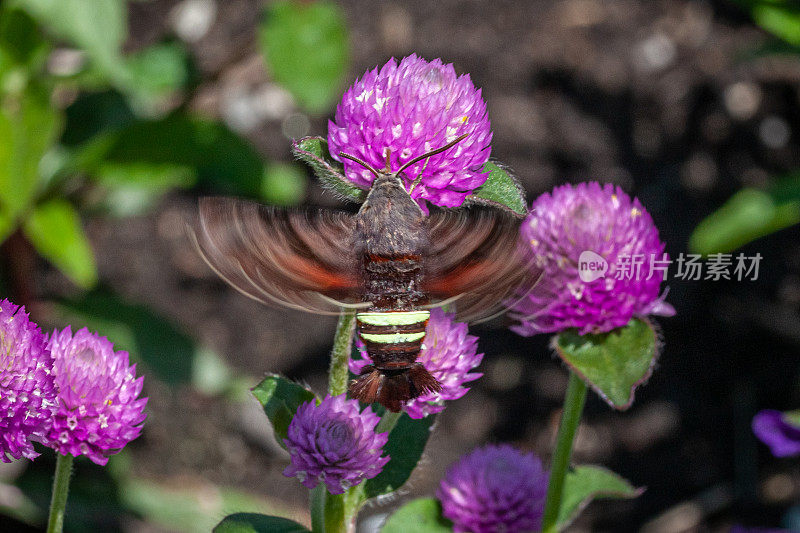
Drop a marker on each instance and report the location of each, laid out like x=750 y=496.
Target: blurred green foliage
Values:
x=780 y=18
x=752 y=213
x=306 y=50
x=91 y=129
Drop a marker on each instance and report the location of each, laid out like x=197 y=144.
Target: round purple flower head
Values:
x=99 y=411
x=409 y=109
x=780 y=431
x=27 y=388
x=494 y=488
x=448 y=353
x=335 y=444
x=595 y=246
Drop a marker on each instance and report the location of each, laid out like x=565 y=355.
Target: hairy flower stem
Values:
x=570 y=418
x=58 y=504
x=334 y=513
x=340 y=355
x=388 y=422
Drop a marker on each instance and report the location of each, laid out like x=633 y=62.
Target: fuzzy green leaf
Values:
x=280 y=399
x=314 y=152
x=500 y=190
x=405 y=446
x=423 y=515
x=54 y=229
x=258 y=523
x=613 y=364
x=305 y=48
x=586 y=483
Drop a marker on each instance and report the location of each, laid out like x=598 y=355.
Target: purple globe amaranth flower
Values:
x=448 y=353
x=409 y=109
x=778 y=430
x=335 y=444
x=494 y=488
x=595 y=247
x=27 y=387
x=99 y=410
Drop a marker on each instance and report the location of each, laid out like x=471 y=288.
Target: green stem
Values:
x=570 y=418
x=329 y=511
x=340 y=354
x=58 y=504
x=388 y=422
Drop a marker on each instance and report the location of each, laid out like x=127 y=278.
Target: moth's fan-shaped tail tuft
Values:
x=392 y=390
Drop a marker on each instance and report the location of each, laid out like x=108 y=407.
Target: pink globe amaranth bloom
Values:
x=778 y=430
x=412 y=108
x=27 y=387
x=573 y=233
x=494 y=488
x=99 y=409
x=448 y=353
x=334 y=443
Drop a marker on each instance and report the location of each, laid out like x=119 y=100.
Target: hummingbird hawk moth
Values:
x=390 y=262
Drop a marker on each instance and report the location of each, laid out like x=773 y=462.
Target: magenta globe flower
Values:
x=334 y=443
x=409 y=109
x=602 y=261
x=494 y=488
x=778 y=430
x=27 y=387
x=99 y=409
x=448 y=353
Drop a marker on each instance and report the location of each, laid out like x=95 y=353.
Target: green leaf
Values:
x=7 y=225
x=314 y=152
x=147 y=336
x=424 y=513
x=280 y=399
x=28 y=127
x=747 y=215
x=283 y=184
x=613 y=364
x=258 y=523
x=305 y=48
x=586 y=483
x=54 y=229
x=500 y=190
x=99 y=27
x=158 y=70
x=405 y=446
x=21 y=41
x=783 y=21
x=218 y=158
x=93 y=113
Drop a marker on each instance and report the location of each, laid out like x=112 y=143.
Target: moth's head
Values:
x=386 y=175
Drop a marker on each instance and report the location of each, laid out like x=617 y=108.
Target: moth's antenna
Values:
x=360 y=162
x=433 y=152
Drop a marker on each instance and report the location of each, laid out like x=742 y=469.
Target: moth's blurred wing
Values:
x=302 y=259
x=477 y=260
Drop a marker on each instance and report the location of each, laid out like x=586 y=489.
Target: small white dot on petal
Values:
x=417 y=129
x=363 y=96
x=396 y=131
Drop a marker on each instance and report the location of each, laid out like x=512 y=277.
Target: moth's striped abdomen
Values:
x=393 y=340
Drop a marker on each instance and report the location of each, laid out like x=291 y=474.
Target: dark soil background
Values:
x=666 y=98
